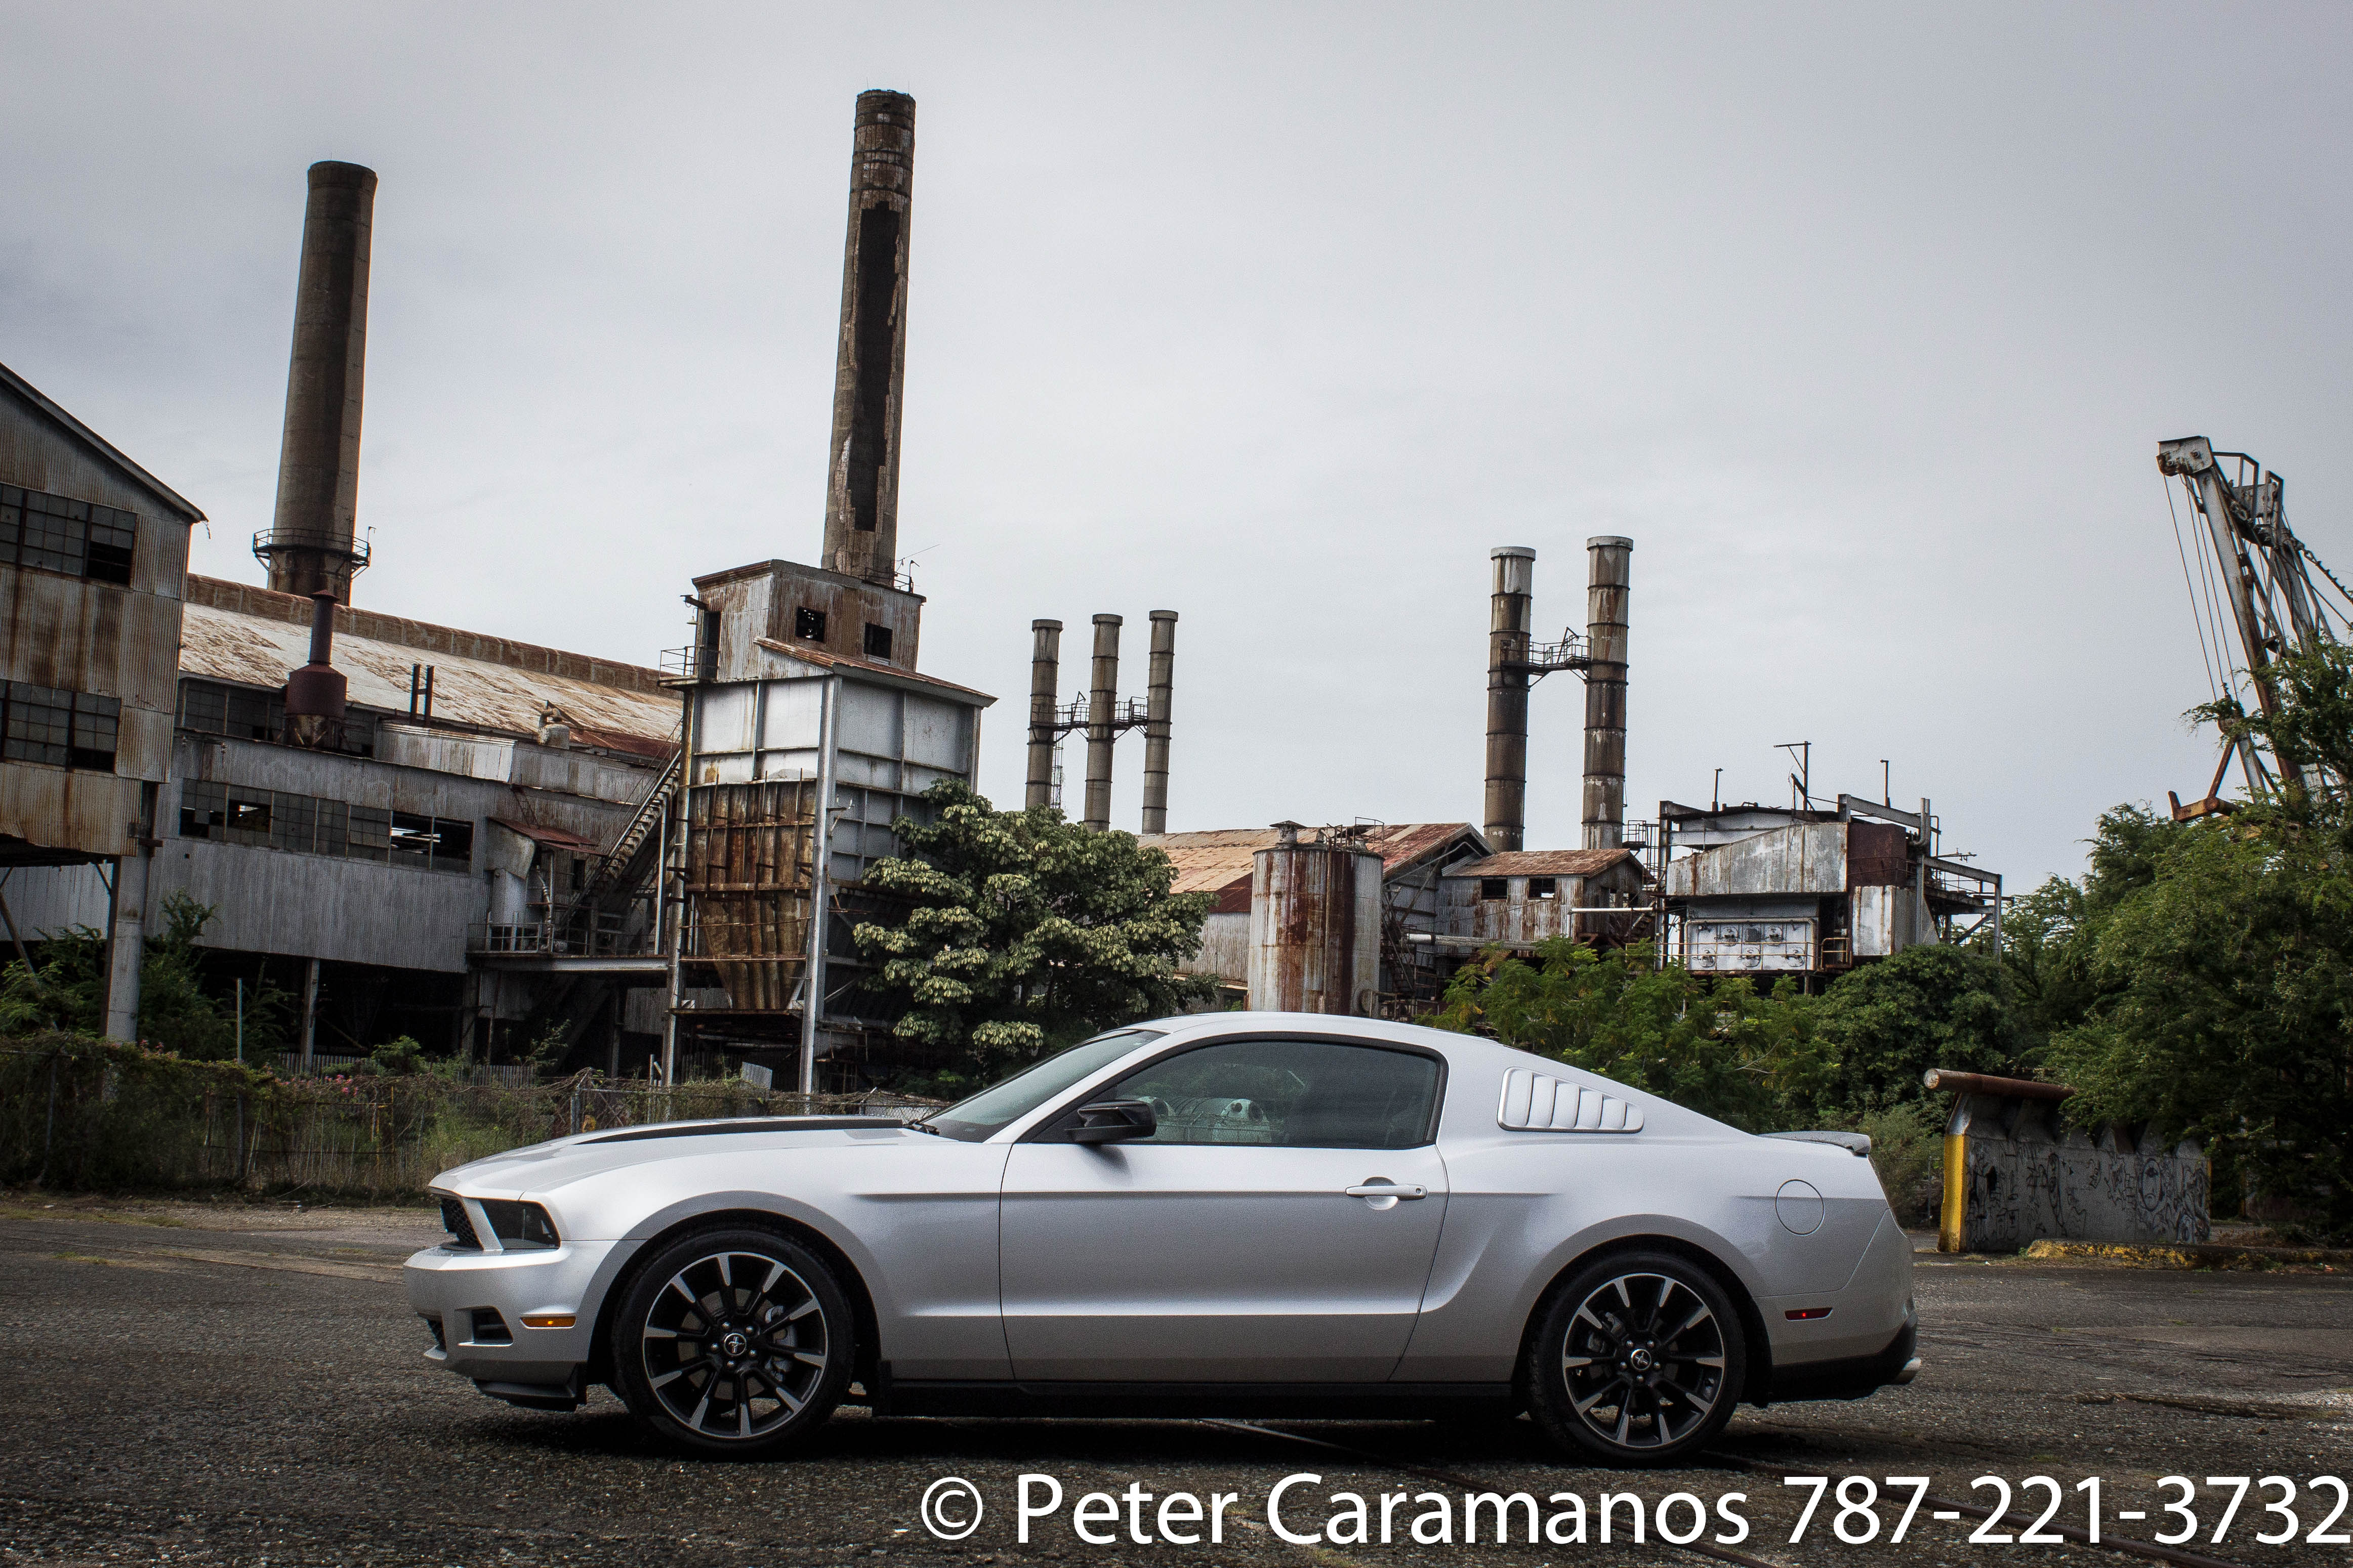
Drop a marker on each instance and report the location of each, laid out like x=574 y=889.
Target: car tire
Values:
x=1637 y=1358
x=732 y=1341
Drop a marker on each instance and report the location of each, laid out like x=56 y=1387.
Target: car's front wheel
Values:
x=732 y=1341
x=1637 y=1358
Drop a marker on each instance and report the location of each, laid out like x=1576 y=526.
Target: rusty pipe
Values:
x=1045 y=675
x=1609 y=560
x=1507 y=696
x=1159 y=696
x=862 y=497
x=1102 y=699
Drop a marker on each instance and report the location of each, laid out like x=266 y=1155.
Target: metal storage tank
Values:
x=1314 y=925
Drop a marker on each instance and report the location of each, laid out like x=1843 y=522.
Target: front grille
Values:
x=490 y=1328
x=459 y=1225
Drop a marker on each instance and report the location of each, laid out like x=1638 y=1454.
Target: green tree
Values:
x=2217 y=959
x=2225 y=1009
x=1021 y=930
x=181 y=1008
x=1930 y=1006
x=1712 y=1045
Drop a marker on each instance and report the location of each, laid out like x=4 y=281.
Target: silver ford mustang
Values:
x=1236 y=1213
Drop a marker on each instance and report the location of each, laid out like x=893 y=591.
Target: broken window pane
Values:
x=453 y=846
x=204 y=809
x=808 y=625
x=877 y=641
x=1492 y=888
x=1542 y=888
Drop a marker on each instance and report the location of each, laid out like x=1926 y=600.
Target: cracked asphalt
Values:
x=243 y=1385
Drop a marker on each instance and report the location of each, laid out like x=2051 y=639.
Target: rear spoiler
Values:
x=1855 y=1143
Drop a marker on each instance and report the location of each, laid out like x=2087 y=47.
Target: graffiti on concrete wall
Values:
x=2026 y=1175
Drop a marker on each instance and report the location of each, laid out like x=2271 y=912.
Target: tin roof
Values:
x=1545 y=863
x=1214 y=859
x=888 y=674
x=246 y=648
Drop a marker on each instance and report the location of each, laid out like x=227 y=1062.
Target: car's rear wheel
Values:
x=733 y=1341
x=1637 y=1358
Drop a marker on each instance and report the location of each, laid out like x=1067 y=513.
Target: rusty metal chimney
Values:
x=862 y=497
x=1159 y=695
x=1045 y=676
x=311 y=546
x=1611 y=562
x=1507 y=696
x=315 y=693
x=1102 y=708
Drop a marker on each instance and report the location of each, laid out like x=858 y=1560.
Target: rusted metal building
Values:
x=800 y=755
x=809 y=729
x=434 y=871
x=92 y=552
x=1810 y=893
x=1524 y=896
x=1223 y=863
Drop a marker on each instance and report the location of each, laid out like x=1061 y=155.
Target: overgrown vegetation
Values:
x=85 y=1114
x=1023 y=933
x=1848 y=1060
x=181 y=1008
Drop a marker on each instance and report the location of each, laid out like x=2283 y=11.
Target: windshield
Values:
x=1000 y=1105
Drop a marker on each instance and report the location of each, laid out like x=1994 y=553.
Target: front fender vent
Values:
x=1539 y=1102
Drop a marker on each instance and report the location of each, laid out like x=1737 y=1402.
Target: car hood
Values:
x=542 y=1167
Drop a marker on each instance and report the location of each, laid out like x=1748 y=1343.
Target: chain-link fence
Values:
x=87 y=1115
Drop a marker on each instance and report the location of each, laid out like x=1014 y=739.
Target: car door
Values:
x=1277 y=1227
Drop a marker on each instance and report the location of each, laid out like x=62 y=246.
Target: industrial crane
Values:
x=2252 y=568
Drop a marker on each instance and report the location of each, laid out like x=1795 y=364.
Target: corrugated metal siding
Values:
x=1808 y=858
x=748 y=882
x=1314 y=930
x=313 y=906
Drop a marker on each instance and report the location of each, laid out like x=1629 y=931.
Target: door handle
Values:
x=1387 y=1190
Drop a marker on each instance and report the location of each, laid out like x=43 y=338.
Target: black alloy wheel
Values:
x=1638 y=1360
x=733 y=1342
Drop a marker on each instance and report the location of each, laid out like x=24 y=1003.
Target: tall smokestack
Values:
x=1610 y=561
x=1045 y=674
x=1102 y=698
x=1507 y=696
x=309 y=548
x=1160 y=694
x=861 y=499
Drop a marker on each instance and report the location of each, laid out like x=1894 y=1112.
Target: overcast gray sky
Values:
x=1863 y=321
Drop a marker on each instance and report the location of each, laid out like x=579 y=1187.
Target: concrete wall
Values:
x=2015 y=1172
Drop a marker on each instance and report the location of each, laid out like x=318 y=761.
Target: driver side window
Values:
x=1296 y=1094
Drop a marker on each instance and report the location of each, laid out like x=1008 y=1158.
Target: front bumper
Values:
x=475 y=1304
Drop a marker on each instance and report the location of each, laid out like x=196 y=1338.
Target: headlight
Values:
x=519 y=1226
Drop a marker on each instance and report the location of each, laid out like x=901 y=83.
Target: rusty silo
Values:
x=1314 y=926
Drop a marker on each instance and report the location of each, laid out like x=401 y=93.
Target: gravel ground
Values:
x=234 y=1383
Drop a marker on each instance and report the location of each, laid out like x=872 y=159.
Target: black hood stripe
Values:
x=750 y=1124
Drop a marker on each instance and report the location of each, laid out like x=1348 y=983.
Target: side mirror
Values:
x=1115 y=1121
